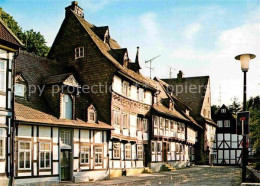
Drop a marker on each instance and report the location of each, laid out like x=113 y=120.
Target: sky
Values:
x=199 y=37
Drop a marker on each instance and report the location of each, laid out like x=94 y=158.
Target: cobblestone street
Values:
x=198 y=175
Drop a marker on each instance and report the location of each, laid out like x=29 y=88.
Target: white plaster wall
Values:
x=2 y=119
x=133 y=123
x=125 y=132
x=127 y=164
x=116 y=163
x=55 y=168
x=55 y=135
x=24 y=131
x=2 y=167
x=98 y=136
x=139 y=135
x=133 y=151
x=148 y=98
x=76 y=149
x=44 y=132
x=76 y=164
x=134 y=92
x=145 y=136
x=55 y=152
x=117 y=84
x=139 y=164
x=2 y=101
x=84 y=135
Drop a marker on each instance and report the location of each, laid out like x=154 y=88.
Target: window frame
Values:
x=84 y=153
x=117 y=149
x=145 y=124
x=124 y=120
x=4 y=71
x=139 y=123
x=226 y=122
x=24 y=151
x=116 y=118
x=79 y=52
x=69 y=138
x=44 y=152
x=220 y=122
x=129 y=151
x=24 y=90
x=64 y=107
x=223 y=110
x=156 y=119
x=99 y=156
x=159 y=147
x=139 y=152
x=153 y=147
x=140 y=94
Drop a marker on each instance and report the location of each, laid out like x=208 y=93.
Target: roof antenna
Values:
x=220 y=100
x=150 y=67
x=171 y=69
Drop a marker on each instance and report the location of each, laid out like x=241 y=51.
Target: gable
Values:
x=71 y=81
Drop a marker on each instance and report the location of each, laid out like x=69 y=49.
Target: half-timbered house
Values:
x=195 y=92
x=125 y=97
x=9 y=47
x=173 y=132
x=227 y=144
x=58 y=134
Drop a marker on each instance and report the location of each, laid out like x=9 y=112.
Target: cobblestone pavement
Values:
x=197 y=175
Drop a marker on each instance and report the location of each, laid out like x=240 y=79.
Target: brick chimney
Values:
x=180 y=75
x=75 y=8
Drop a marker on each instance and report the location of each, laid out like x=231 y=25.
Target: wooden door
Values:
x=65 y=164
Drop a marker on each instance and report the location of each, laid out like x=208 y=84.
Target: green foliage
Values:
x=235 y=107
x=34 y=42
x=254 y=108
x=214 y=108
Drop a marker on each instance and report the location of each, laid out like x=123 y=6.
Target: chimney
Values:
x=180 y=75
x=75 y=8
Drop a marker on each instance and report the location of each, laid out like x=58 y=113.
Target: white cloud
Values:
x=191 y=30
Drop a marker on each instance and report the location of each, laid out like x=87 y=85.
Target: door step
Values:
x=147 y=170
x=169 y=167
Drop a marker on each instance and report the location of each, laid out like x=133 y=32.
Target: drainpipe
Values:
x=12 y=137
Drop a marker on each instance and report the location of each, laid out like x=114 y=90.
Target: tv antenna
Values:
x=150 y=67
x=220 y=99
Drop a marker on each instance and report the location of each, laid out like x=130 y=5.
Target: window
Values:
x=98 y=155
x=45 y=155
x=2 y=143
x=183 y=128
x=139 y=123
x=227 y=123
x=166 y=124
x=180 y=150
x=124 y=120
x=116 y=118
x=66 y=107
x=126 y=89
x=92 y=114
x=19 y=90
x=79 y=52
x=153 y=147
x=116 y=150
x=177 y=147
x=141 y=94
x=140 y=151
x=159 y=147
x=127 y=151
x=223 y=110
x=2 y=75
x=156 y=120
x=84 y=155
x=161 y=123
x=145 y=124
x=24 y=155
x=65 y=137
x=179 y=127
x=220 y=123
x=172 y=126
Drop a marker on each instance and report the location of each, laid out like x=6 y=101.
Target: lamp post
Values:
x=244 y=59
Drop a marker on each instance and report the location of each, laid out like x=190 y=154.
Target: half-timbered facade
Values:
x=174 y=132
x=9 y=46
x=227 y=144
x=58 y=134
x=126 y=97
x=195 y=92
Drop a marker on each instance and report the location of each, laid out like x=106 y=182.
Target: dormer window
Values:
x=66 y=107
x=92 y=114
x=106 y=37
x=126 y=59
x=223 y=110
x=79 y=52
x=20 y=90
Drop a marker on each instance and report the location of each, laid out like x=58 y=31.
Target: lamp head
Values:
x=244 y=59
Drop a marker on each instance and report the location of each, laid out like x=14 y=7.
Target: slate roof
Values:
x=35 y=109
x=193 y=100
x=118 y=54
x=104 y=49
x=7 y=35
x=56 y=79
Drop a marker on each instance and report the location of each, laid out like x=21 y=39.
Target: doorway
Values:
x=164 y=152
x=65 y=164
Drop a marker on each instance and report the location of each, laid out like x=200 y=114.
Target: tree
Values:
x=235 y=107
x=34 y=42
x=214 y=108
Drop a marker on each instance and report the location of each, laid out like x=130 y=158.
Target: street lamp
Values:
x=244 y=59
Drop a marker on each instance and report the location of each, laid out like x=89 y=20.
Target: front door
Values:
x=65 y=164
x=146 y=155
x=164 y=151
